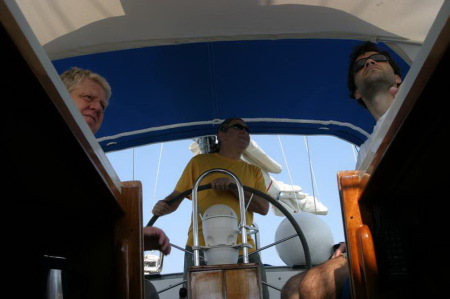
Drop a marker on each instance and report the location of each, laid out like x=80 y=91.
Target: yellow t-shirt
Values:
x=249 y=175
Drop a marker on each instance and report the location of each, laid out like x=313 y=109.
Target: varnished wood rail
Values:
x=129 y=243
x=361 y=253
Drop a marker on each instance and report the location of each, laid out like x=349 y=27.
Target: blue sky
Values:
x=159 y=166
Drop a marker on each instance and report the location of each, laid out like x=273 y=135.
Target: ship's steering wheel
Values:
x=265 y=196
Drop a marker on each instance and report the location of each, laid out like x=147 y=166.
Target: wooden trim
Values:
x=368 y=261
x=359 y=242
x=129 y=243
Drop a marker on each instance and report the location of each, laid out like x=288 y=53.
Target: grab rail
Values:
x=242 y=226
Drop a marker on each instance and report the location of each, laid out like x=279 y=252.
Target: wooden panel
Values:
x=231 y=281
x=243 y=283
x=207 y=284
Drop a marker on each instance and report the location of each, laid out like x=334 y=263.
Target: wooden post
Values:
x=129 y=243
x=360 y=248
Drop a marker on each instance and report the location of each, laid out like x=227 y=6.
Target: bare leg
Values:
x=325 y=281
x=290 y=288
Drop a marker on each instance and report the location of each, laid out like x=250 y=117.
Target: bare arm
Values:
x=340 y=250
x=257 y=203
x=163 y=208
x=155 y=238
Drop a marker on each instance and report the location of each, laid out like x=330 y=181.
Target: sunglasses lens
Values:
x=240 y=127
x=378 y=57
x=359 y=64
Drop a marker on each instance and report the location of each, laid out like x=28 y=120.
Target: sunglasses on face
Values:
x=360 y=63
x=238 y=127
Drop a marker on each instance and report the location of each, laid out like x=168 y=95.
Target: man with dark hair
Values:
x=373 y=80
x=356 y=65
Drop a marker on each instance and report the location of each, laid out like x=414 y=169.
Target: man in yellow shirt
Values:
x=233 y=138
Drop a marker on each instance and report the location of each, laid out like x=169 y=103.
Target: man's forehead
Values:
x=236 y=121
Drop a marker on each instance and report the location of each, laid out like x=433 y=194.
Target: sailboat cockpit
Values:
x=178 y=70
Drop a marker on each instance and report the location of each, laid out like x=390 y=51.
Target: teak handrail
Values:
x=361 y=254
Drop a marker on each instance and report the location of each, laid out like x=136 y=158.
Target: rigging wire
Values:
x=355 y=151
x=311 y=171
x=132 y=168
x=289 y=171
x=157 y=171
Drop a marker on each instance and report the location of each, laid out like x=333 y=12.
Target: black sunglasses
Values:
x=359 y=64
x=238 y=127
